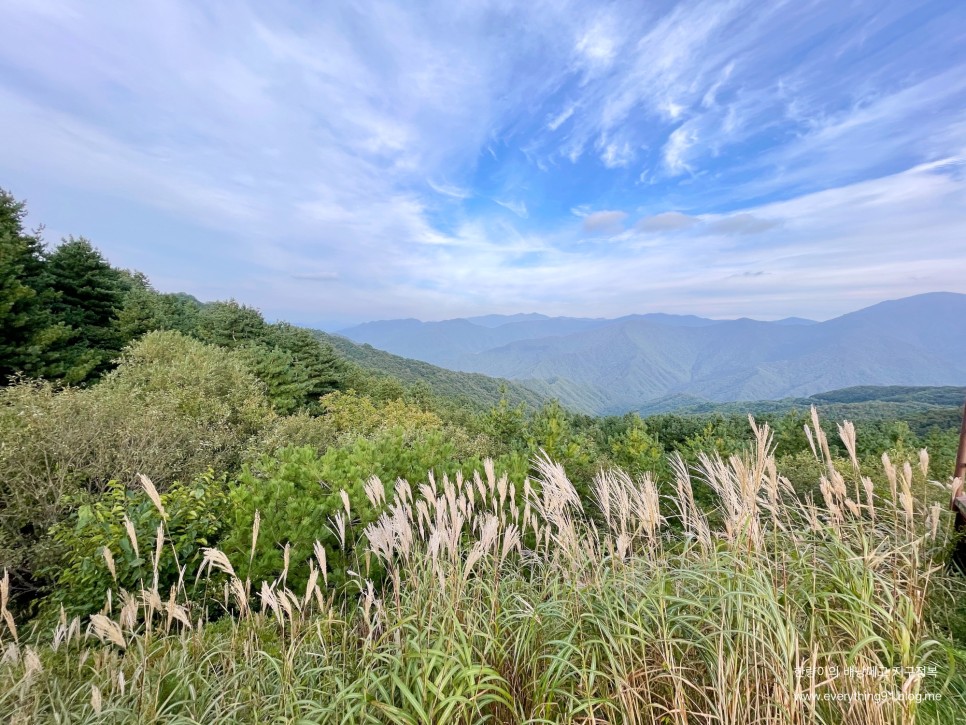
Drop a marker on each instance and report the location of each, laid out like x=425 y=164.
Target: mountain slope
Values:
x=481 y=391
x=605 y=366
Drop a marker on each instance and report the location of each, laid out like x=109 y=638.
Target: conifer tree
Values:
x=23 y=293
x=144 y=310
x=230 y=324
x=636 y=450
x=287 y=382
x=88 y=293
x=324 y=369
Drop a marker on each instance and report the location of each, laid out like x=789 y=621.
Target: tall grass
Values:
x=506 y=606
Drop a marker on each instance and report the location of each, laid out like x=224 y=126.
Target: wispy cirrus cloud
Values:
x=362 y=162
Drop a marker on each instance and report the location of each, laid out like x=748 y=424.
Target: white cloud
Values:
x=833 y=251
x=557 y=121
x=454 y=192
x=676 y=149
x=517 y=207
x=597 y=45
x=666 y=221
x=711 y=95
x=604 y=222
x=615 y=154
x=741 y=224
x=316 y=276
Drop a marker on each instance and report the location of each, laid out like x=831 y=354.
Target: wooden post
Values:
x=958 y=503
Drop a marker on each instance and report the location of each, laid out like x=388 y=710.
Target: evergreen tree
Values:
x=635 y=449
x=286 y=381
x=23 y=293
x=323 y=368
x=506 y=425
x=144 y=310
x=230 y=324
x=551 y=430
x=89 y=292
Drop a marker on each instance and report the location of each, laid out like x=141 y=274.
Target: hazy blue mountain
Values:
x=672 y=320
x=795 y=321
x=600 y=365
x=498 y=320
x=447 y=343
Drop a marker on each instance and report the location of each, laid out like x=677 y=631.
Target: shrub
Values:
x=173 y=408
x=296 y=430
x=351 y=414
x=195 y=518
x=297 y=506
x=298 y=494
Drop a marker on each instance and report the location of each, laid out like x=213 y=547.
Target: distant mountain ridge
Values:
x=601 y=365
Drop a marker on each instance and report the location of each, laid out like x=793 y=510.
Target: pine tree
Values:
x=324 y=369
x=230 y=324
x=89 y=293
x=287 y=382
x=635 y=449
x=144 y=310
x=23 y=292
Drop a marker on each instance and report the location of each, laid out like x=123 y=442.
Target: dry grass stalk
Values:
x=320 y=558
x=107 y=630
x=847 y=435
x=256 y=524
x=4 y=602
x=212 y=557
x=152 y=493
x=131 y=535
x=109 y=560
x=638 y=624
x=375 y=491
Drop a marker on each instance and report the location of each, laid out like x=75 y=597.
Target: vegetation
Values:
x=532 y=607
x=207 y=517
x=866 y=402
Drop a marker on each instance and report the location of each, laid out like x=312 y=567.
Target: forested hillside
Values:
x=205 y=516
x=473 y=388
x=927 y=406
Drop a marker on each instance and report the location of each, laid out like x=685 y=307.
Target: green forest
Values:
x=208 y=516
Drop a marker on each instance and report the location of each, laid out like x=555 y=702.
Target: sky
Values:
x=332 y=163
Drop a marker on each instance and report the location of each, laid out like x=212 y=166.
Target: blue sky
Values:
x=331 y=163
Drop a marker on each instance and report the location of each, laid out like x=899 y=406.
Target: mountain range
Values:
x=604 y=366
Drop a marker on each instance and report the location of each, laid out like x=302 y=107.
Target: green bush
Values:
x=353 y=414
x=297 y=494
x=296 y=504
x=298 y=429
x=195 y=518
x=172 y=409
